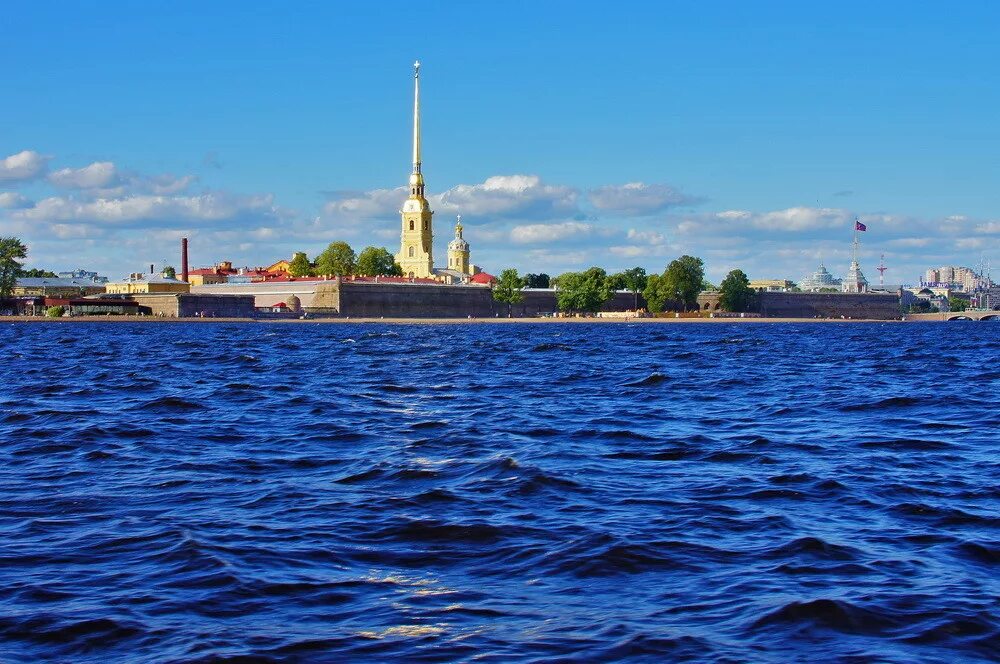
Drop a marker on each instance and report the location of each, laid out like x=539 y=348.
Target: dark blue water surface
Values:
x=550 y=492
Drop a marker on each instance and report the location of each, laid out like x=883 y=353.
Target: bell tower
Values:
x=416 y=247
x=458 y=251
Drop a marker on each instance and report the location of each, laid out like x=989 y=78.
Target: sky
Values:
x=566 y=134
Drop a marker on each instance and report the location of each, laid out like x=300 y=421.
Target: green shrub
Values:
x=55 y=312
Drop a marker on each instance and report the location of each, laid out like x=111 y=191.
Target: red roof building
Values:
x=484 y=278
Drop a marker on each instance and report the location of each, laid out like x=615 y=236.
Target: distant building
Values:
x=281 y=267
x=84 y=275
x=206 y=275
x=821 y=279
x=958 y=278
x=483 y=278
x=776 y=285
x=57 y=287
x=138 y=282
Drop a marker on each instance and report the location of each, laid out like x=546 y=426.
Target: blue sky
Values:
x=566 y=134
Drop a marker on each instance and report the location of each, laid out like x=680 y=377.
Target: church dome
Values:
x=293 y=302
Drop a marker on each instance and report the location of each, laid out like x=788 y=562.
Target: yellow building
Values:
x=458 y=251
x=772 y=284
x=138 y=282
x=416 y=250
x=281 y=267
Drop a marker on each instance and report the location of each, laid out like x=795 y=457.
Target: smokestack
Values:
x=151 y=268
x=184 y=259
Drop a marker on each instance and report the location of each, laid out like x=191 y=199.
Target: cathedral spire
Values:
x=416 y=117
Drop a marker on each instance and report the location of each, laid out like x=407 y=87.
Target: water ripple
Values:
x=231 y=492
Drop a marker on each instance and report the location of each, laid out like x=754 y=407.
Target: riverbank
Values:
x=430 y=321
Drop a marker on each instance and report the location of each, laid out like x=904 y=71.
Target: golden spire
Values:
x=458 y=227
x=416 y=117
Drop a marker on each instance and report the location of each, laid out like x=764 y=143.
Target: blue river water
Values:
x=188 y=492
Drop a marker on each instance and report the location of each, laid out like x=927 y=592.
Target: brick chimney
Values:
x=184 y=259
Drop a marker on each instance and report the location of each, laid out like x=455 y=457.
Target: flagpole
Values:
x=854 y=251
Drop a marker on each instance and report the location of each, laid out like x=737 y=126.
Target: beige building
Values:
x=138 y=282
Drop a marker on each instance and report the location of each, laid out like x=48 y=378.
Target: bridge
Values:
x=955 y=315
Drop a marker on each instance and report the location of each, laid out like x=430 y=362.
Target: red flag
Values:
x=858 y=226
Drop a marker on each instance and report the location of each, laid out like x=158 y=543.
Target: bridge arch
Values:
x=960 y=317
x=991 y=317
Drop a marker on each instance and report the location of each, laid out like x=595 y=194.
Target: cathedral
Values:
x=416 y=246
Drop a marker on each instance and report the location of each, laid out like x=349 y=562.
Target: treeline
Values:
x=675 y=289
x=339 y=259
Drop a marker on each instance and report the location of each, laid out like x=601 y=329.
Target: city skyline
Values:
x=556 y=156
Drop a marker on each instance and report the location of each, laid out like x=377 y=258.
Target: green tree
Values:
x=707 y=285
x=170 y=272
x=55 y=312
x=583 y=291
x=37 y=273
x=537 y=280
x=655 y=293
x=300 y=265
x=957 y=304
x=632 y=279
x=683 y=279
x=377 y=262
x=735 y=293
x=337 y=259
x=12 y=251
x=508 y=289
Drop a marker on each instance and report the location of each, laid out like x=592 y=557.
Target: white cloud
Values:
x=214 y=209
x=989 y=228
x=510 y=196
x=638 y=198
x=11 y=200
x=542 y=233
x=373 y=204
x=25 y=165
x=911 y=242
x=514 y=197
x=647 y=237
x=555 y=262
x=802 y=219
x=98 y=175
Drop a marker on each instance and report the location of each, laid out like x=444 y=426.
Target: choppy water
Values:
x=201 y=492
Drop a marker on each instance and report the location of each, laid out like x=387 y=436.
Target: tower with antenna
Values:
x=881 y=270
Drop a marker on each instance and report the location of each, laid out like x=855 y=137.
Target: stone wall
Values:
x=372 y=300
x=873 y=306
x=190 y=305
x=395 y=300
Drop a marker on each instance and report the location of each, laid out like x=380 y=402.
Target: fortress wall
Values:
x=395 y=300
x=830 y=305
x=367 y=299
x=186 y=305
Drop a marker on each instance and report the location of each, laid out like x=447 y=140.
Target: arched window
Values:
x=411 y=248
x=411 y=224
